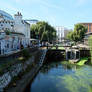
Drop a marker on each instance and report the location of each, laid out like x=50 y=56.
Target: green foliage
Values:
x=82 y=61
x=7 y=32
x=59 y=48
x=25 y=53
x=90 y=45
x=78 y=33
x=44 y=36
x=34 y=31
x=41 y=29
x=79 y=81
x=70 y=35
x=21 y=58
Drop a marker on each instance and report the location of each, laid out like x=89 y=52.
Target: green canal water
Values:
x=56 y=77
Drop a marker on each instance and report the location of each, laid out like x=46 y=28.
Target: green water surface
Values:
x=55 y=77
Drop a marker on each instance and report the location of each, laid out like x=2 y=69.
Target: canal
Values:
x=58 y=77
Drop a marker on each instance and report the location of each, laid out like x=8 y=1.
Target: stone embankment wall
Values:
x=12 y=72
x=16 y=69
x=84 y=53
x=55 y=55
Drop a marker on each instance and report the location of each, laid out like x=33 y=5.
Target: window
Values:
x=11 y=25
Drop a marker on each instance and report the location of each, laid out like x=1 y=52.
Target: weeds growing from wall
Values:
x=90 y=45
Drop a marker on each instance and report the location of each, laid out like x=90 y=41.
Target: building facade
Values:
x=61 y=33
x=89 y=27
x=88 y=33
x=14 y=33
x=6 y=21
x=21 y=25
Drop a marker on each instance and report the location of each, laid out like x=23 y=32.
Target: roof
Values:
x=35 y=20
x=86 y=23
x=26 y=22
x=5 y=15
x=89 y=33
x=17 y=33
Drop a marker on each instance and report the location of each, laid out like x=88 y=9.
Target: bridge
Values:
x=57 y=47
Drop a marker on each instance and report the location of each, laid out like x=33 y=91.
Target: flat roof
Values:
x=86 y=23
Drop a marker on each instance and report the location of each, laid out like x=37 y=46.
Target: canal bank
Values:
x=26 y=78
x=58 y=77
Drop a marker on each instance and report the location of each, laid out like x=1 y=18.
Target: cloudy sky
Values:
x=56 y=12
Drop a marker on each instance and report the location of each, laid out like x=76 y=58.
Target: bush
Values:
x=7 y=32
x=26 y=53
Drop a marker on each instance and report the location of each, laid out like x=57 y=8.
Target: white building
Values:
x=19 y=33
x=32 y=21
x=21 y=25
x=6 y=21
x=61 y=32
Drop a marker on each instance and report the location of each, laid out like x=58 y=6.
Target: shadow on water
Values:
x=58 y=77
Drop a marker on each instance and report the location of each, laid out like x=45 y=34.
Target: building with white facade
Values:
x=6 y=21
x=61 y=32
x=21 y=25
x=32 y=21
x=14 y=33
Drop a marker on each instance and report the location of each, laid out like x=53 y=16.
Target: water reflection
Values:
x=58 y=77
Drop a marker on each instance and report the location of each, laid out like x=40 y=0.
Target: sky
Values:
x=56 y=12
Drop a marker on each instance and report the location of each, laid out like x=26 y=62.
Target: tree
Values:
x=34 y=31
x=41 y=29
x=44 y=36
x=78 y=34
x=70 y=35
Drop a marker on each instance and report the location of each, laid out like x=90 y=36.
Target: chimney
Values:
x=18 y=17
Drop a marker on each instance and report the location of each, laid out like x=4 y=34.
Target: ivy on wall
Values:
x=90 y=45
